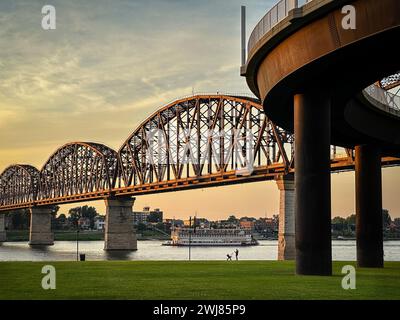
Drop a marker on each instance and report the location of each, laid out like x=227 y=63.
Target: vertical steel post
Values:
x=243 y=38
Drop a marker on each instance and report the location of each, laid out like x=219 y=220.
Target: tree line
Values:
x=20 y=219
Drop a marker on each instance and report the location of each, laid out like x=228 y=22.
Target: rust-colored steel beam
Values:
x=179 y=147
x=264 y=173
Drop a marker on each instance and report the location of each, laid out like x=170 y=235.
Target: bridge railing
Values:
x=388 y=99
x=275 y=15
x=391 y=81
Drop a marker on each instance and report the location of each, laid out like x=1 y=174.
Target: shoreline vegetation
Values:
x=86 y=235
x=184 y=280
x=23 y=235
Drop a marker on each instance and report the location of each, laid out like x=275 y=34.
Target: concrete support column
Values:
x=119 y=231
x=312 y=129
x=40 y=229
x=369 y=206
x=3 y=236
x=286 y=240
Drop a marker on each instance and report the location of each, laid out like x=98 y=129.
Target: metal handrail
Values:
x=386 y=98
x=281 y=10
x=391 y=81
x=275 y=15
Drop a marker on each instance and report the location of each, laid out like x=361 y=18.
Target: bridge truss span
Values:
x=18 y=184
x=195 y=142
x=78 y=168
x=201 y=136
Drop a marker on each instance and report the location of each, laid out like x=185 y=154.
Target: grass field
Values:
x=191 y=280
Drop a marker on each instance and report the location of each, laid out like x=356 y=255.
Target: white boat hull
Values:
x=233 y=244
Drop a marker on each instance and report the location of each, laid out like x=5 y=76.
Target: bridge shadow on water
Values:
x=39 y=248
x=119 y=255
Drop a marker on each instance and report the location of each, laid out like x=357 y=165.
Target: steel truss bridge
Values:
x=179 y=147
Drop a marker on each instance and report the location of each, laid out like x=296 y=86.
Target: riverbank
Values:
x=84 y=235
x=23 y=235
x=192 y=280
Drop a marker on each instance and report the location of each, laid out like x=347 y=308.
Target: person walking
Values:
x=237 y=254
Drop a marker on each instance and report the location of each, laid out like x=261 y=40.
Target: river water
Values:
x=153 y=250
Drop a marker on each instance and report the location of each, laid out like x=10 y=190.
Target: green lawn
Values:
x=192 y=280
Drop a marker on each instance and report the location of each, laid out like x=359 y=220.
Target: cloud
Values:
x=120 y=58
x=107 y=67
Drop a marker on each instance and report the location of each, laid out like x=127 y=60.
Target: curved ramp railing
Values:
x=378 y=95
x=391 y=81
x=382 y=98
x=275 y=15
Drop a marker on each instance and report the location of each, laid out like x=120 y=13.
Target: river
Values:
x=343 y=250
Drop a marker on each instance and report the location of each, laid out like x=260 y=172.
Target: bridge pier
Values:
x=40 y=229
x=369 y=206
x=286 y=240
x=3 y=235
x=119 y=231
x=312 y=129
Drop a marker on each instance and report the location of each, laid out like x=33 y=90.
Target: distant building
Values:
x=145 y=216
x=261 y=224
x=187 y=222
x=155 y=216
x=265 y=224
x=175 y=222
x=200 y=222
x=224 y=224
x=140 y=216
x=84 y=223
x=99 y=222
x=247 y=223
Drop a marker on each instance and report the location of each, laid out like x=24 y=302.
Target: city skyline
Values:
x=70 y=84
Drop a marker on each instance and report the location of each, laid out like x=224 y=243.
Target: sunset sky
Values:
x=110 y=64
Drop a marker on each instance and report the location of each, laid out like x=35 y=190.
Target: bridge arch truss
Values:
x=18 y=184
x=78 y=168
x=203 y=135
